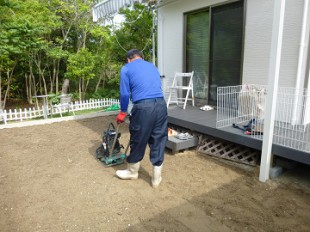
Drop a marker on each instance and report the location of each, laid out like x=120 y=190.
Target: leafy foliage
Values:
x=42 y=42
x=135 y=32
x=81 y=64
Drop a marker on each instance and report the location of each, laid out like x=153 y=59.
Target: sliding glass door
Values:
x=214 y=49
x=197 y=51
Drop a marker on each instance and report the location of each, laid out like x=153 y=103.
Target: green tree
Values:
x=81 y=67
x=24 y=41
x=135 y=32
x=44 y=41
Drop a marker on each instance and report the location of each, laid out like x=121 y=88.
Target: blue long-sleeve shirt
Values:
x=140 y=79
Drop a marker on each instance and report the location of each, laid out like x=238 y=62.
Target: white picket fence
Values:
x=32 y=113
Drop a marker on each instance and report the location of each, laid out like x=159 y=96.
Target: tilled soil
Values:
x=51 y=181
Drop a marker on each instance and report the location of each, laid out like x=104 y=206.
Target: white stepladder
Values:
x=178 y=86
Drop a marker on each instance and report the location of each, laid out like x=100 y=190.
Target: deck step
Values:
x=176 y=145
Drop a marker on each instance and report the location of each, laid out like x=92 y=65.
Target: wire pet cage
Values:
x=239 y=104
x=244 y=104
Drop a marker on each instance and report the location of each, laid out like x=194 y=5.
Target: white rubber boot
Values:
x=156 y=177
x=131 y=173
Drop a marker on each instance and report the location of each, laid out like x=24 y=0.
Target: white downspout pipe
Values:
x=160 y=42
x=273 y=79
x=154 y=15
x=301 y=68
x=306 y=120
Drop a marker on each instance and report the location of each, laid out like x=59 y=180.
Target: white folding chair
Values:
x=178 y=86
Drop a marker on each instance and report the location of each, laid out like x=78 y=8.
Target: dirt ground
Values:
x=51 y=181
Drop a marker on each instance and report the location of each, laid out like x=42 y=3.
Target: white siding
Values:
x=259 y=17
x=291 y=42
x=257 y=40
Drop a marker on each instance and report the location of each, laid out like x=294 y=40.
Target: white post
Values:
x=160 y=42
x=154 y=15
x=301 y=68
x=273 y=79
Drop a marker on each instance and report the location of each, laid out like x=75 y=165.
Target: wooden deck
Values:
x=204 y=122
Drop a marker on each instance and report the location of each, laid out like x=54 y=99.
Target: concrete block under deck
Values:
x=175 y=144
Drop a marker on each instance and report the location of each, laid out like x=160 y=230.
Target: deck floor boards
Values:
x=204 y=122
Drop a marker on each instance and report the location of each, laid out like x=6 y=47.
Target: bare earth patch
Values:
x=51 y=181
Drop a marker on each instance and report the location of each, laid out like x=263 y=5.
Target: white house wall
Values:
x=257 y=39
x=291 y=44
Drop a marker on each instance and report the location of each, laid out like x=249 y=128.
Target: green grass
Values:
x=79 y=112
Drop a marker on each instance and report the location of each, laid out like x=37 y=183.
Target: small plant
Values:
x=55 y=100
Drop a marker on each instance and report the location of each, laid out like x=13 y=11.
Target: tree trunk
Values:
x=33 y=84
x=1 y=90
x=99 y=81
x=27 y=87
x=57 y=76
x=41 y=72
x=44 y=85
x=53 y=78
x=80 y=89
x=86 y=86
x=65 y=87
x=7 y=92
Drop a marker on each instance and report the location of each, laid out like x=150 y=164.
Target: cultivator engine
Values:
x=109 y=152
